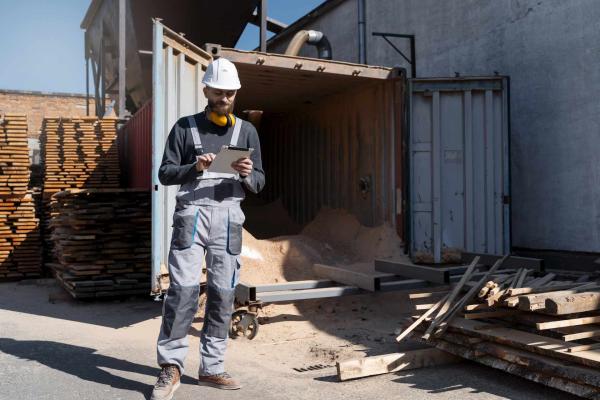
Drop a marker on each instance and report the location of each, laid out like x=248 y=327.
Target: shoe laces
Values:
x=166 y=376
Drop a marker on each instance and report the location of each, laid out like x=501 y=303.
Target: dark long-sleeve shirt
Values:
x=179 y=159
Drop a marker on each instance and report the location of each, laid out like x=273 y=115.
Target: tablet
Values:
x=228 y=155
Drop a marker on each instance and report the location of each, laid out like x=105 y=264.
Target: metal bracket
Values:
x=413 y=59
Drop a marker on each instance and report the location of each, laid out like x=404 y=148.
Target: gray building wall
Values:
x=551 y=51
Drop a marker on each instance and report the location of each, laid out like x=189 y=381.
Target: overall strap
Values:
x=195 y=134
x=236 y=132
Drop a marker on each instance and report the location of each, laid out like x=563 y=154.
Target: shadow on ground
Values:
x=45 y=298
x=82 y=362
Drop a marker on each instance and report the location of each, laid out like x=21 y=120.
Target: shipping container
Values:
x=332 y=134
x=329 y=130
x=459 y=167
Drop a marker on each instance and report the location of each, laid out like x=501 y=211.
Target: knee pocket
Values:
x=219 y=306
x=181 y=304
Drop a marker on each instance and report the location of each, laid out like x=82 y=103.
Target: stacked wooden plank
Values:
x=20 y=244
x=20 y=255
x=76 y=152
x=79 y=153
x=102 y=241
x=14 y=155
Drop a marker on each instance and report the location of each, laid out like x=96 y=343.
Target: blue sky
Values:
x=42 y=44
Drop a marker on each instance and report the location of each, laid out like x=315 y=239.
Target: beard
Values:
x=221 y=108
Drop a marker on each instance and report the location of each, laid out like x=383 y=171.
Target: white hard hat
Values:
x=222 y=74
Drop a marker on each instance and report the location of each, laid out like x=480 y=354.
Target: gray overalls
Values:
x=207 y=223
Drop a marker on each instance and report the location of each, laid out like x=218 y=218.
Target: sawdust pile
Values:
x=334 y=237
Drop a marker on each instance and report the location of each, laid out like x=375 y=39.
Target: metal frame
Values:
x=314 y=289
x=413 y=57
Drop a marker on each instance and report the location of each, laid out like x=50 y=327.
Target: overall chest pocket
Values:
x=236 y=219
x=184 y=227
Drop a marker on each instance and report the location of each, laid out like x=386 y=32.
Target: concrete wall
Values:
x=551 y=51
x=37 y=105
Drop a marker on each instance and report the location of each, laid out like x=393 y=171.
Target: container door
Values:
x=177 y=72
x=459 y=167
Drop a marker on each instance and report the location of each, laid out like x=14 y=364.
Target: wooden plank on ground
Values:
x=378 y=365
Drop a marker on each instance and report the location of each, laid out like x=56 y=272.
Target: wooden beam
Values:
x=421 y=318
x=378 y=365
x=543 y=345
x=584 y=347
x=572 y=303
x=467 y=297
x=567 y=322
x=452 y=296
x=491 y=314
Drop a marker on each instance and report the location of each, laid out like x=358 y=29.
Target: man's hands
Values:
x=243 y=166
x=204 y=161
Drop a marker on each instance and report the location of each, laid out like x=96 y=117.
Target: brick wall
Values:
x=37 y=105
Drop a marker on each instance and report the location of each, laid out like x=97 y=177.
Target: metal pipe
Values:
x=314 y=38
x=87 y=74
x=122 y=55
x=158 y=124
x=362 y=32
x=263 y=25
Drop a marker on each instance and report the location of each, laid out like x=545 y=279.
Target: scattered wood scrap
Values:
x=542 y=326
x=388 y=363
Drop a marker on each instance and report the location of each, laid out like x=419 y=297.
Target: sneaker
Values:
x=167 y=383
x=220 y=381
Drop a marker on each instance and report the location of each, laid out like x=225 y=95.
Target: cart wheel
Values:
x=243 y=324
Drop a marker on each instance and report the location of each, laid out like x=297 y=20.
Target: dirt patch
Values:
x=334 y=237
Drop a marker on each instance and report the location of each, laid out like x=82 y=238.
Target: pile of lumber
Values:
x=20 y=255
x=539 y=326
x=102 y=241
x=14 y=155
x=79 y=153
x=20 y=245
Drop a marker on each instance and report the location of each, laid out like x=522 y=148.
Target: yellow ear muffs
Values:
x=221 y=120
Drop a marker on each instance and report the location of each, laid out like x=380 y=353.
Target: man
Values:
x=207 y=223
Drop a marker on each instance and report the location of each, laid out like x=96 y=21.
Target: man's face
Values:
x=220 y=101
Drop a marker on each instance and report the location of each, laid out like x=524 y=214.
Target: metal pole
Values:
x=263 y=25
x=362 y=32
x=158 y=125
x=122 y=55
x=87 y=74
x=413 y=58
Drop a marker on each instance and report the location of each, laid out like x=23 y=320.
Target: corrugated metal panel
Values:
x=136 y=144
x=459 y=166
x=317 y=155
x=178 y=68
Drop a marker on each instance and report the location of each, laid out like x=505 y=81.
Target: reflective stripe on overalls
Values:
x=210 y=229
